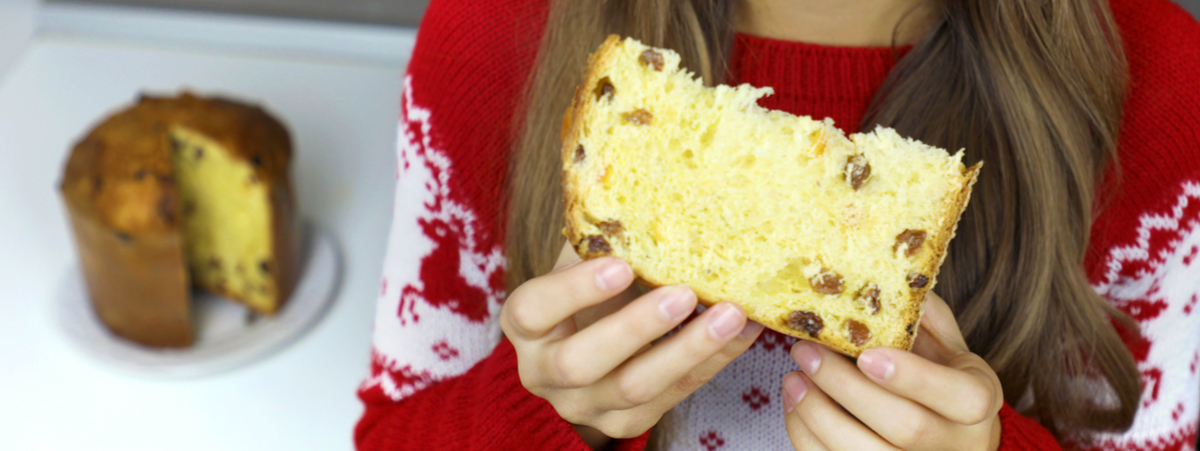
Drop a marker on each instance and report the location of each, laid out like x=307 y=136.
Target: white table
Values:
x=342 y=114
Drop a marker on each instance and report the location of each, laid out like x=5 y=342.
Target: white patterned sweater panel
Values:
x=422 y=333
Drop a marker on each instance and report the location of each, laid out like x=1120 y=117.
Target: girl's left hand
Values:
x=939 y=396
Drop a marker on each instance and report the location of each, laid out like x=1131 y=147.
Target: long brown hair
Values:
x=1034 y=87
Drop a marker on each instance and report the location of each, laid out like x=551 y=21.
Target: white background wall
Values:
x=16 y=26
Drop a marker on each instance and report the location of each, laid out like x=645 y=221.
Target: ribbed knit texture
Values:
x=442 y=377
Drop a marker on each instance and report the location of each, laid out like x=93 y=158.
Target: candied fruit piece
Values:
x=806 y=321
x=910 y=238
x=652 y=59
x=857 y=171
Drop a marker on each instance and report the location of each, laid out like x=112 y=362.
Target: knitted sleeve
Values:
x=485 y=408
x=1019 y=433
x=441 y=375
x=1145 y=244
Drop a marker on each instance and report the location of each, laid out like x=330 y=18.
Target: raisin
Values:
x=124 y=237
x=918 y=281
x=256 y=161
x=604 y=88
x=611 y=227
x=912 y=238
x=652 y=59
x=638 y=117
x=176 y=144
x=827 y=282
x=199 y=153
x=806 y=321
x=598 y=245
x=857 y=171
x=166 y=209
x=264 y=266
x=860 y=334
x=869 y=295
x=909 y=328
x=579 y=154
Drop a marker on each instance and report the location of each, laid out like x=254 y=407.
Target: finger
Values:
x=619 y=421
x=541 y=303
x=647 y=376
x=831 y=425
x=939 y=338
x=591 y=353
x=899 y=420
x=794 y=389
x=965 y=392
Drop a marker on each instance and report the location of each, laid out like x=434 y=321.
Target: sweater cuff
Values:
x=544 y=425
x=536 y=416
x=1018 y=432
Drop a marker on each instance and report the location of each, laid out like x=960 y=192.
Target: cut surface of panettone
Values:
x=817 y=235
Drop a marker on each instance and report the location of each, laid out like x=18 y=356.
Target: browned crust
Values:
x=138 y=286
x=571 y=132
x=832 y=336
x=932 y=264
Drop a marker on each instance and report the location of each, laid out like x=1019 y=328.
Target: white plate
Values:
x=228 y=336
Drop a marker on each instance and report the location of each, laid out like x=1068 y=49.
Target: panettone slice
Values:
x=817 y=235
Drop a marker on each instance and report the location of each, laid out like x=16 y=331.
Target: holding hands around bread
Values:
x=591 y=346
x=939 y=396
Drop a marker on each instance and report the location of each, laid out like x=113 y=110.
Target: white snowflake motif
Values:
x=441 y=288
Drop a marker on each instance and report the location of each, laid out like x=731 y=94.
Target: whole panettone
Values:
x=825 y=237
x=176 y=192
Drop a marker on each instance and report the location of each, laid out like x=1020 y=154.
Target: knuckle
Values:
x=572 y=413
x=624 y=425
x=911 y=430
x=519 y=316
x=977 y=403
x=570 y=373
x=632 y=392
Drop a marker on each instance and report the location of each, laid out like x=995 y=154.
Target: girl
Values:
x=1063 y=314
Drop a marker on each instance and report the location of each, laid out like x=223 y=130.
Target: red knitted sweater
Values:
x=443 y=377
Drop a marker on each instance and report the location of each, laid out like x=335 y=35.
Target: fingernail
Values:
x=877 y=365
x=752 y=328
x=677 y=302
x=612 y=275
x=725 y=322
x=807 y=356
x=794 y=389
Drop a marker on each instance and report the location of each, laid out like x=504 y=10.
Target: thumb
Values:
x=939 y=338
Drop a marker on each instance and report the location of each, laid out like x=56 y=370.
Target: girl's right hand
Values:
x=611 y=375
